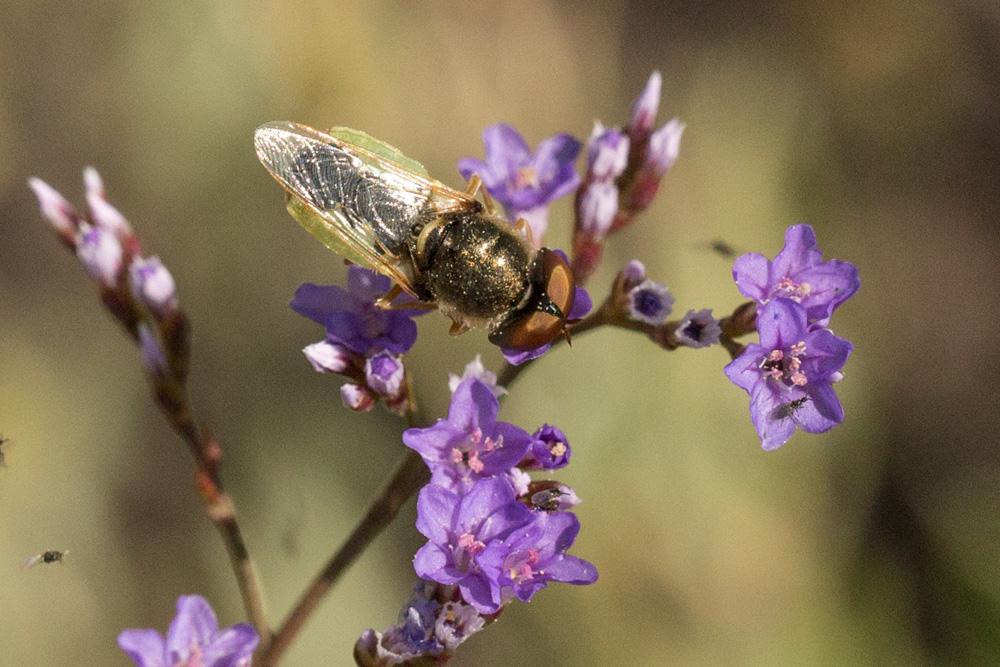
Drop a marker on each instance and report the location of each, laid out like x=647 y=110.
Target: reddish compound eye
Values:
x=543 y=319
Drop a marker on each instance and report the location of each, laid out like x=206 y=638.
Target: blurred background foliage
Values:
x=877 y=122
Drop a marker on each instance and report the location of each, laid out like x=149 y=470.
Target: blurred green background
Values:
x=878 y=542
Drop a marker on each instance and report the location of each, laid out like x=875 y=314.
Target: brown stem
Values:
x=409 y=477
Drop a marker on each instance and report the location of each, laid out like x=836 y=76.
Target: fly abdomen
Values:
x=476 y=267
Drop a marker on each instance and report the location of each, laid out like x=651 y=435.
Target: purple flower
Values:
x=101 y=254
x=475 y=369
x=549 y=449
x=698 y=329
x=384 y=374
x=581 y=306
x=470 y=444
x=194 y=640
x=800 y=274
x=789 y=375
x=650 y=302
x=351 y=317
x=532 y=555
x=523 y=182
x=153 y=286
x=459 y=528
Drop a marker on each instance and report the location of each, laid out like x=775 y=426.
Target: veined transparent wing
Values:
x=359 y=196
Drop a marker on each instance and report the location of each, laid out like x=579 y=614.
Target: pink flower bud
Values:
x=645 y=107
x=101 y=254
x=356 y=397
x=59 y=212
x=153 y=286
x=102 y=213
x=327 y=357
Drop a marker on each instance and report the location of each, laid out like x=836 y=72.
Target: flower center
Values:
x=521 y=568
x=557 y=449
x=693 y=330
x=786 y=367
x=476 y=445
x=525 y=177
x=193 y=659
x=790 y=289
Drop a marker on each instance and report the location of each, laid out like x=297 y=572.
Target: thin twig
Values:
x=409 y=477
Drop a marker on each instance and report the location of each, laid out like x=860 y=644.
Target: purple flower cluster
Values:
x=193 y=640
x=363 y=341
x=790 y=373
x=643 y=300
x=138 y=290
x=433 y=623
x=624 y=170
x=525 y=182
x=490 y=533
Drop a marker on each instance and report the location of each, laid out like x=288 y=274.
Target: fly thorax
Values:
x=477 y=268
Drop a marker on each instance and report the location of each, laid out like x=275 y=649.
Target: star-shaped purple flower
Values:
x=470 y=444
x=800 y=274
x=525 y=182
x=531 y=556
x=459 y=528
x=351 y=317
x=193 y=640
x=790 y=374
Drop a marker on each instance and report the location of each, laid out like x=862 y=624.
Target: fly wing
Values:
x=31 y=562
x=360 y=200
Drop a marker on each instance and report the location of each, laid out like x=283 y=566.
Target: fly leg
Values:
x=524 y=229
x=385 y=302
x=473 y=187
x=458 y=328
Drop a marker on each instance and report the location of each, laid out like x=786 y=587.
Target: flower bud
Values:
x=327 y=357
x=153 y=286
x=645 y=107
x=597 y=207
x=384 y=374
x=356 y=397
x=633 y=274
x=102 y=213
x=153 y=357
x=101 y=254
x=608 y=153
x=664 y=147
x=59 y=212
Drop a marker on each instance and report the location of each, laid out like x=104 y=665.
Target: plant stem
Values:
x=409 y=477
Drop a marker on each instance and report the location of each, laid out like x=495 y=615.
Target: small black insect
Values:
x=3 y=460
x=50 y=556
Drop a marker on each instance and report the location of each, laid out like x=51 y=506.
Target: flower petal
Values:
x=436 y=509
x=752 y=273
x=773 y=422
x=506 y=149
x=481 y=593
x=743 y=371
x=145 y=647
x=571 y=570
x=781 y=323
x=473 y=406
x=800 y=251
x=823 y=412
x=431 y=562
x=194 y=625
x=318 y=302
x=232 y=647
